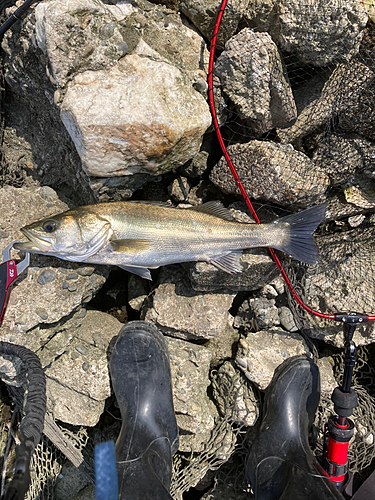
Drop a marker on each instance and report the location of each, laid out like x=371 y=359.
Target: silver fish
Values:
x=138 y=236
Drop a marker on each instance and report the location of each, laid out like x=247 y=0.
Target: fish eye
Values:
x=50 y=226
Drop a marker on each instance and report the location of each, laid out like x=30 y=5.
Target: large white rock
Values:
x=141 y=116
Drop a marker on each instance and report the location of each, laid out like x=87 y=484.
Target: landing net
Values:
x=291 y=90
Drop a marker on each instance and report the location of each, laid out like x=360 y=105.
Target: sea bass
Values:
x=138 y=236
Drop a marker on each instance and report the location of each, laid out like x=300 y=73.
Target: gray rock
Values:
x=345 y=95
x=347 y=160
x=179 y=311
x=317 y=33
x=254 y=78
x=77 y=35
x=76 y=367
x=122 y=124
x=258 y=313
x=138 y=290
x=260 y=14
x=90 y=35
x=327 y=378
x=179 y=189
x=273 y=172
x=287 y=319
x=235 y=398
x=203 y=16
x=195 y=412
x=38 y=295
x=260 y=353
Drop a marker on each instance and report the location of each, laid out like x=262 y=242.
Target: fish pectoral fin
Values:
x=214 y=208
x=230 y=263
x=130 y=245
x=143 y=272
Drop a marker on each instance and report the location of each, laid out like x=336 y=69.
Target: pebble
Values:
x=46 y=277
x=85 y=271
x=122 y=48
x=42 y=313
x=85 y=366
x=65 y=285
x=72 y=276
x=81 y=351
x=47 y=193
x=72 y=287
x=287 y=319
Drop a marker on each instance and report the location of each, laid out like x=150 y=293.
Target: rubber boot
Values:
x=141 y=379
x=281 y=464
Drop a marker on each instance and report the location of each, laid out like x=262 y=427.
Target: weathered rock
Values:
x=235 y=398
x=195 y=413
x=327 y=378
x=42 y=294
x=260 y=14
x=138 y=290
x=254 y=78
x=178 y=311
x=317 y=33
x=286 y=319
x=203 y=16
x=76 y=368
x=273 y=172
x=346 y=97
x=257 y=313
x=260 y=353
x=341 y=281
x=81 y=35
x=48 y=158
x=138 y=117
x=77 y=35
x=346 y=159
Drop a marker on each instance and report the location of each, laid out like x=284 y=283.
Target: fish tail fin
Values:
x=300 y=242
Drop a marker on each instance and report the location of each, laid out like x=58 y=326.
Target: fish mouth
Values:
x=34 y=243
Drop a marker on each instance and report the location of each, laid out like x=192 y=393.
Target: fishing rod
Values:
x=340 y=426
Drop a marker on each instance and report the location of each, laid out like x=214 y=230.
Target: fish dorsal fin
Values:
x=143 y=272
x=214 y=208
x=130 y=245
x=164 y=204
x=229 y=263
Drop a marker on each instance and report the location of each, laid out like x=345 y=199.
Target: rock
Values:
x=260 y=353
x=327 y=378
x=273 y=172
x=254 y=78
x=203 y=16
x=138 y=290
x=286 y=319
x=346 y=97
x=81 y=35
x=195 y=413
x=32 y=157
x=179 y=189
x=346 y=160
x=122 y=123
x=178 y=311
x=39 y=295
x=235 y=398
x=319 y=34
x=75 y=362
x=341 y=281
x=77 y=35
x=257 y=313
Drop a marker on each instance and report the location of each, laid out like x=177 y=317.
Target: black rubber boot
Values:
x=281 y=464
x=141 y=379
